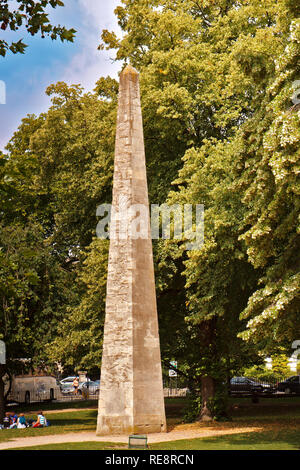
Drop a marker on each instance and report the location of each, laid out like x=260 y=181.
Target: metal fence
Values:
x=31 y=395
x=254 y=386
x=175 y=392
x=72 y=396
x=271 y=386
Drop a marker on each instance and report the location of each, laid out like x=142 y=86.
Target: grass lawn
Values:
x=277 y=418
x=74 y=421
x=78 y=446
x=280 y=440
x=61 y=423
x=277 y=410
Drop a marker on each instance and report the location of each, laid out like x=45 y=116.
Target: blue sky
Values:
x=27 y=76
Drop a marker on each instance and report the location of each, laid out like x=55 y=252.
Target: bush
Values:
x=193 y=408
x=266 y=375
x=219 y=405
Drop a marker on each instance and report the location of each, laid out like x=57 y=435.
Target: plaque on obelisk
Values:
x=131 y=391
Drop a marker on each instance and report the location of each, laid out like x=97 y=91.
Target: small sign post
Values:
x=138 y=442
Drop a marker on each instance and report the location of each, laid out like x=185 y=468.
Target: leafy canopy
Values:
x=34 y=17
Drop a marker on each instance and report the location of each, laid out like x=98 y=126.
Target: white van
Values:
x=27 y=389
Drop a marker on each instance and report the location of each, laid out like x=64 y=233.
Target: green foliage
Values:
x=216 y=82
x=192 y=409
x=221 y=129
x=52 y=181
x=265 y=375
x=32 y=290
x=279 y=371
x=33 y=15
x=271 y=229
x=79 y=336
x=219 y=405
x=280 y=365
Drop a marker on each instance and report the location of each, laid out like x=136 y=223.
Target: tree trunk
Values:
x=2 y=400
x=207 y=392
x=207 y=337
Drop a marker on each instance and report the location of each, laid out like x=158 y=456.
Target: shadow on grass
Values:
x=82 y=418
x=266 y=413
x=289 y=440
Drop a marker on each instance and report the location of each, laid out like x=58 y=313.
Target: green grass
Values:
x=61 y=423
x=73 y=421
x=279 y=420
x=78 y=446
x=284 y=440
x=267 y=412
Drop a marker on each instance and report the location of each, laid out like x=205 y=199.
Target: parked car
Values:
x=92 y=387
x=67 y=381
x=290 y=385
x=244 y=385
x=69 y=390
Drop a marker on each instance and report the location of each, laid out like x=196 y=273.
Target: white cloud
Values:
x=89 y=64
x=99 y=12
x=30 y=74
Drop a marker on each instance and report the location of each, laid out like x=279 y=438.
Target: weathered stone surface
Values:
x=131 y=391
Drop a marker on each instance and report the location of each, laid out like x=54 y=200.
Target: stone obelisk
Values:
x=131 y=397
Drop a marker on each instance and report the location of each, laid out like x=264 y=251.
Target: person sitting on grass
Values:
x=6 y=420
x=41 y=421
x=13 y=420
x=21 y=422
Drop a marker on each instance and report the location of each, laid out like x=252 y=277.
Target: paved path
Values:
x=174 y=435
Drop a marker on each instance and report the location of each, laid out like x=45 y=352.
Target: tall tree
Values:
x=271 y=196
x=52 y=181
x=205 y=69
x=220 y=125
x=33 y=292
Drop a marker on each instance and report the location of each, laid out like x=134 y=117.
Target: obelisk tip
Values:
x=129 y=70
